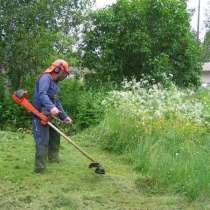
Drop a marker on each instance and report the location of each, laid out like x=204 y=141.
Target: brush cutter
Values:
x=21 y=97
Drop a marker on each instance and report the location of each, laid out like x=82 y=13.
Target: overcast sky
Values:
x=192 y=4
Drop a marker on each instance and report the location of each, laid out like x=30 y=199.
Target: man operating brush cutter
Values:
x=46 y=135
x=46 y=98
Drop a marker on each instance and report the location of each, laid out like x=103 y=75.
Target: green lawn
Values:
x=71 y=185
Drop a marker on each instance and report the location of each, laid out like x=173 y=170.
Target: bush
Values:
x=13 y=116
x=84 y=106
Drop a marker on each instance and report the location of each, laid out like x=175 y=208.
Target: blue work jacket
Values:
x=46 y=95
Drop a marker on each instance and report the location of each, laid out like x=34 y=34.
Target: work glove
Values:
x=54 y=111
x=67 y=120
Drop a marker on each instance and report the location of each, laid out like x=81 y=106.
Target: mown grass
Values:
x=71 y=185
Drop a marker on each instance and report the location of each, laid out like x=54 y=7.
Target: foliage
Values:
x=131 y=38
x=1 y=86
x=84 y=106
x=31 y=34
x=207 y=22
x=163 y=133
x=13 y=116
x=206 y=46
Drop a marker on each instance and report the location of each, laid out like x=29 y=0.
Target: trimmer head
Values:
x=98 y=167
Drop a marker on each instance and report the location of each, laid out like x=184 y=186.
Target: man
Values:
x=46 y=98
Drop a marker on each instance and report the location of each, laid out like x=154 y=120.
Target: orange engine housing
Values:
x=21 y=98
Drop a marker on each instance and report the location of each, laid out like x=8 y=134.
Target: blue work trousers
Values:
x=47 y=142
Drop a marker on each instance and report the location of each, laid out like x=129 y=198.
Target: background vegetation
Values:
x=137 y=95
x=132 y=38
x=163 y=133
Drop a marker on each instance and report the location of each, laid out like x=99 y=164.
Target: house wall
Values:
x=205 y=77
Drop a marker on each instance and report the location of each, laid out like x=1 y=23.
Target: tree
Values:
x=206 y=43
x=206 y=47
x=30 y=32
x=207 y=23
x=136 y=37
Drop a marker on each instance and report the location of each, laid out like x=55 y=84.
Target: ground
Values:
x=72 y=185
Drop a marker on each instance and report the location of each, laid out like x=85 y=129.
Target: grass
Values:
x=71 y=185
x=172 y=151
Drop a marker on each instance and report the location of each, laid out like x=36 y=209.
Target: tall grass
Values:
x=164 y=133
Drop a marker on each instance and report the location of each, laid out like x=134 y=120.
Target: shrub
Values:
x=13 y=115
x=84 y=106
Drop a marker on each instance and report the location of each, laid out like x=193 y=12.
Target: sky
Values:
x=192 y=4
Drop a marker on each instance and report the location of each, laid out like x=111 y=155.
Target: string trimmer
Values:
x=21 y=98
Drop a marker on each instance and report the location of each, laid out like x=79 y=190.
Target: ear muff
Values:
x=57 y=70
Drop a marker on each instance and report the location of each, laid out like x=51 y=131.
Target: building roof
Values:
x=206 y=66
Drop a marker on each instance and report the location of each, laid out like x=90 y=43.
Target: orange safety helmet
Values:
x=57 y=66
